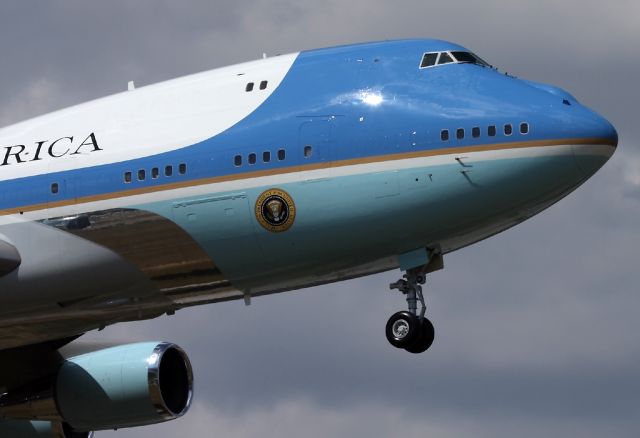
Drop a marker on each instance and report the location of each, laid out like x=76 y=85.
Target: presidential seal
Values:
x=275 y=210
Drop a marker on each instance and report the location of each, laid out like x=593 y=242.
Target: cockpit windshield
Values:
x=469 y=57
x=433 y=59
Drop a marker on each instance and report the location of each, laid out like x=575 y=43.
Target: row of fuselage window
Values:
x=281 y=154
x=141 y=175
x=492 y=131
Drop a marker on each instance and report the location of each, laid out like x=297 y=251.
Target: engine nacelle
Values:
x=123 y=386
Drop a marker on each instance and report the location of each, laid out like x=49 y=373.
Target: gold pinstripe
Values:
x=314 y=166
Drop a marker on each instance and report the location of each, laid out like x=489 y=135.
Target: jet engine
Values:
x=123 y=386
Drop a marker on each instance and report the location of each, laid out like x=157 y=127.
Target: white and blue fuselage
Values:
x=274 y=175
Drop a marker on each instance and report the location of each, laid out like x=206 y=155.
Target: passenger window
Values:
x=237 y=160
x=445 y=58
x=263 y=85
x=281 y=154
x=491 y=131
x=308 y=151
x=524 y=128
x=266 y=156
x=444 y=135
x=249 y=87
x=508 y=129
x=127 y=177
x=252 y=158
x=429 y=60
x=475 y=132
x=182 y=168
x=460 y=133
x=141 y=175
x=55 y=188
x=155 y=172
x=168 y=170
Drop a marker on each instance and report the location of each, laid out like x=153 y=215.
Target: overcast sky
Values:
x=537 y=329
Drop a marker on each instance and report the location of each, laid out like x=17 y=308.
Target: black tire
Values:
x=424 y=339
x=402 y=329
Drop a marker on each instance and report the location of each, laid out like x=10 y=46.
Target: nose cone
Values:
x=596 y=143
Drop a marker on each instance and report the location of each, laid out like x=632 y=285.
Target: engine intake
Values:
x=118 y=387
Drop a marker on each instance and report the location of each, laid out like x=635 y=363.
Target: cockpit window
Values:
x=445 y=58
x=428 y=60
x=432 y=59
x=468 y=57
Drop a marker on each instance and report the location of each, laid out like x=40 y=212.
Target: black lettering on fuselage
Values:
x=37 y=156
x=89 y=141
x=16 y=154
x=44 y=149
x=52 y=145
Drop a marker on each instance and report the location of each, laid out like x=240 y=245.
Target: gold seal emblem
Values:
x=275 y=210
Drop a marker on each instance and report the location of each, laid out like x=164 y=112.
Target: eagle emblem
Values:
x=275 y=210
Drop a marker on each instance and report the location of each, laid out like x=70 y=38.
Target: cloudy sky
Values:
x=537 y=329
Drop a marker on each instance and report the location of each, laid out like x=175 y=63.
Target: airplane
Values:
x=268 y=176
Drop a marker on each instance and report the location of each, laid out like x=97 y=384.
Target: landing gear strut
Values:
x=408 y=329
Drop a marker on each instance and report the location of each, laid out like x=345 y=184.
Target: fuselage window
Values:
x=460 y=133
x=445 y=58
x=168 y=170
x=429 y=60
x=55 y=188
x=252 y=158
x=491 y=131
x=308 y=151
x=475 y=132
x=182 y=168
x=524 y=128
x=282 y=154
x=237 y=160
x=141 y=175
x=127 y=177
x=266 y=156
x=508 y=129
x=249 y=87
x=444 y=135
x=263 y=85
x=155 y=172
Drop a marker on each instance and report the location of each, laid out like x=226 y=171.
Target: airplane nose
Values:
x=596 y=144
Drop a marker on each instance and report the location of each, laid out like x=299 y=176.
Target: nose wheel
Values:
x=407 y=329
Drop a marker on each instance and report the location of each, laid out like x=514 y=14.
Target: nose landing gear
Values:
x=408 y=329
